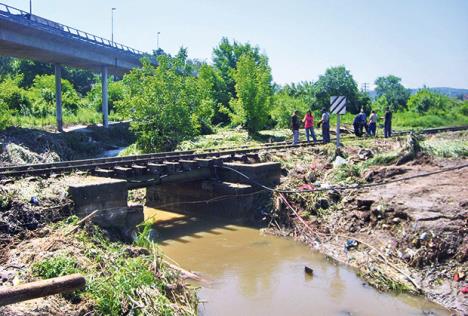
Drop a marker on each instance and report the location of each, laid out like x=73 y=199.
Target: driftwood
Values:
x=29 y=291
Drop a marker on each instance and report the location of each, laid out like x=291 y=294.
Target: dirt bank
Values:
x=39 y=239
x=24 y=145
x=408 y=235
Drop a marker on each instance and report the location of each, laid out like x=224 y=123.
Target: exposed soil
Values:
x=409 y=235
x=23 y=145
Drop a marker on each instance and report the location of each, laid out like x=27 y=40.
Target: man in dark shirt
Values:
x=388 y=123
x=295 y=124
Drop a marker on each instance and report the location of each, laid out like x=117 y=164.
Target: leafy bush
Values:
x=55 y=267
x=115 y=89
x=42 y=94
x=426 y=100
x=5 y=115
x=254 y=94
x=15 y=97
x=283 y=107
x=162 y=103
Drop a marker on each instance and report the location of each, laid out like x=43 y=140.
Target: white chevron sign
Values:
x=338 y=104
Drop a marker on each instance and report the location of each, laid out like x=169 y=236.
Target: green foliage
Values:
x=394 y=93
x=42 y=94
x=5 y=115
x=225 y=59
x=254 y=92
x=454 y=147
x=54 y=267
x=82 y=80
x=347 y=173
x=283 y=107
x=163 y=103
x=115 y=90
x=426 y=100
x=338 y=81
x=14 y=96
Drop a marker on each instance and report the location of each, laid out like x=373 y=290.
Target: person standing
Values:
x=388 y=123
x=309 y=126
x=363 y=122
x=357 y=125
x=325 y=122
x=295 y=127
x=373 y=123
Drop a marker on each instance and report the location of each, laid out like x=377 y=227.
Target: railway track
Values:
x=158 y=161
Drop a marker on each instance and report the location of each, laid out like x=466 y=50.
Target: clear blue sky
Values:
x=421 y=41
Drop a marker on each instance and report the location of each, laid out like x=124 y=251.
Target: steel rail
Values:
x=93 y=164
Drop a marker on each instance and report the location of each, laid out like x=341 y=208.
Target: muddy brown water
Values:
x=248 y=273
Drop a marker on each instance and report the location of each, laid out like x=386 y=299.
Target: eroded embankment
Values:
x=28 y=145
x=409 y=235
x=40 y=240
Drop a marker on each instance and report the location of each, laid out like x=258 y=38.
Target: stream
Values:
x=249 y=273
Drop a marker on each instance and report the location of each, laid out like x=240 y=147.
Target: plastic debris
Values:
x=34 y=201
x=339 y=161
x=350 y=243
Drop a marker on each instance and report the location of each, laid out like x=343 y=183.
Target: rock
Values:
x=401 y=215
x=423 y=236
x=309 y=270
x=396 y=220
x=365 y=154
x=322 y=203
x=362 y=215
x=364 y=204
x=311 y=177
x=334 y=196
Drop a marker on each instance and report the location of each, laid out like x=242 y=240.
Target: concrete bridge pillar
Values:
x=58 y=97
x=105 y=98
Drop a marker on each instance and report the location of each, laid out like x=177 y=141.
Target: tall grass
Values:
x=82 y=116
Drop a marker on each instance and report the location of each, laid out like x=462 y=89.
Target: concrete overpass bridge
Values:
x=29 y=36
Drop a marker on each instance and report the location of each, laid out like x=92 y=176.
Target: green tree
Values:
x=426 y=100
x=254 y=93
x=225 y=58
x=15 y=97
x=166 y=104
x=391 y=88
x=338 y=81
x=82 y=80
x=214 y=88
x=42 y=95
x=5 y=115
x=115 y=90
x=283 y=107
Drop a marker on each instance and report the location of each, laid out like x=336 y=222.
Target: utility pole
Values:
x=158 y=40
x=365 y=86
x=112 y=26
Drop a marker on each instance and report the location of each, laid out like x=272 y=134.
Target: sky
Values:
x=424 y=42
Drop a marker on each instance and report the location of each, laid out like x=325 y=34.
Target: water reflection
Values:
x=254 y=274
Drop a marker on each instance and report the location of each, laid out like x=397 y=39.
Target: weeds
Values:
x=54 y=267
x=121 y=279
x=446 y=148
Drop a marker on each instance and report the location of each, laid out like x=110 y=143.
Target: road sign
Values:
x=338 y=104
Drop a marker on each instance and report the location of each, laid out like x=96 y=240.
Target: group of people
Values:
x=308 y=122
x=360 y=123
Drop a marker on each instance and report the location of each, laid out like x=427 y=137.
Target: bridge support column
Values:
x=105 y=98
x=58 y=97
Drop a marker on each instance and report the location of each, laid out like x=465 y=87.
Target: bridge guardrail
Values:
x=25 y=17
